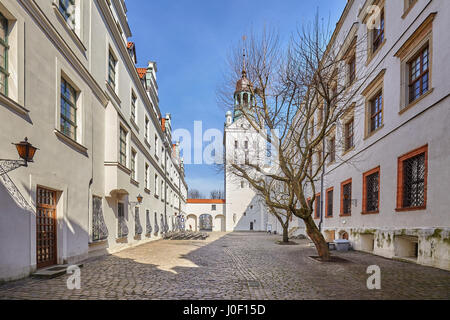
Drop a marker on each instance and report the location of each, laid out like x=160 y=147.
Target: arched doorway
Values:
x=191 y=222
x=219 y=223
x=205 y=222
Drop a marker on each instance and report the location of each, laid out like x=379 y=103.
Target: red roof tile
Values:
x=141 y=72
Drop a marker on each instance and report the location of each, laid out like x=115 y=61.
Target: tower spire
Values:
x=244 y=66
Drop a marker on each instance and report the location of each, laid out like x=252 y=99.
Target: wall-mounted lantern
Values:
x=139 y=201
x=26 y=152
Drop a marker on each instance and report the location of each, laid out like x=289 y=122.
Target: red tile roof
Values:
x=141 y=72
x=206 y=201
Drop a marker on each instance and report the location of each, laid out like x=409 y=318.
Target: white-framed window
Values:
x=147 y=128
x=123 y=146
x=147 y=175
x=133 y=164
x=67 y=9
x=4 y=48
x=112 y=69
x=68 y=111
x=133 y=106
x=156 y=185
x=156 y=145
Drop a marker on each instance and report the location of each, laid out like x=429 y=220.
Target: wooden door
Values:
x=46 y=254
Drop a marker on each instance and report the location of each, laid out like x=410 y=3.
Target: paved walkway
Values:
x=235 y=266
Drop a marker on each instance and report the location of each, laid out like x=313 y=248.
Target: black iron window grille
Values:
x=99 y=229
x=414 y=181
x=347 y=201
x=330 y=203
x=372 y=192
x=137 y=222
x=148 y=225
x=122 y=231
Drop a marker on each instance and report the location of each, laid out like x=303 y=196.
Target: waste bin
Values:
x=342 y=245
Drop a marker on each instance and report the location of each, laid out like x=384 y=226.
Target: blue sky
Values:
x=190 y=41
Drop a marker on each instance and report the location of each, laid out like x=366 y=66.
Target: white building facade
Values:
x=68 y=82
x=205 y=215
x=386 y=187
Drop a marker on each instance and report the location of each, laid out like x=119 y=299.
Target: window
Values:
x=371 y=191
x=332 y=149
x=318 y=207
x=147 y=127
x=4 y=55
x=408 y=6
x=246 y=145
x=213 y=207
x=147 y=171
x=412 y=180
x=156 y=186
x=162 y=190
x=67 y=9
x=122 y=231
x=378 y=34
x=156 y=146
x=346 y=198
x=351 y=68
x=329 y=203
x=419 y=75
x=133 y=164
x=112 y=64
x=376 y=112
x=99 y=230
x=348 y=132
x=133 y=107
x=123 y=147
x=236 y=143
x=68 y=119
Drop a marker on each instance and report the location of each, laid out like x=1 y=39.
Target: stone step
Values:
x=53 y=271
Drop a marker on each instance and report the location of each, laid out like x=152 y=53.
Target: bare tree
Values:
x=217 y=194
x=299 y=96
x=195 y=194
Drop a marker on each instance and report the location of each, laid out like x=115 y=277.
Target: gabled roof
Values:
x=141 y=72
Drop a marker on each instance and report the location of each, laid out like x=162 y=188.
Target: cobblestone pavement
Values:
x=235 y=266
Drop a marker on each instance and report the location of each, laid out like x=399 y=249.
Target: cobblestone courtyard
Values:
x=235 y=266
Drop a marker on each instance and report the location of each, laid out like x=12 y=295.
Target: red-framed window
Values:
x=371 y=191
x=412 y=180
x=329 y=203
x=346 y=198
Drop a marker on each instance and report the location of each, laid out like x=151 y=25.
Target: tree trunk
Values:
x=285 y=234
x=316 y=236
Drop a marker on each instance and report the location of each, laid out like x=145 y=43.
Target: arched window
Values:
x=245 y=99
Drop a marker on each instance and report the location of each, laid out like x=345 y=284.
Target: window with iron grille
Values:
x=318 y=207
x=99 y=229
x=414 y=171
x=376 y=112
x=4 y=47
x=123 y=147
x=349 y=143
x=133 y=165
x=419 y=75
x=372 y=192
x=137 y=222
x=378 y=34
x=122 y=225
x=112 y=63
x=330 y=203
x=68 y=121
x=332 y=149
x=347 y=199
x=67 y=9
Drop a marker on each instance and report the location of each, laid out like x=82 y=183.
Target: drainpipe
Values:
x=322 y=177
